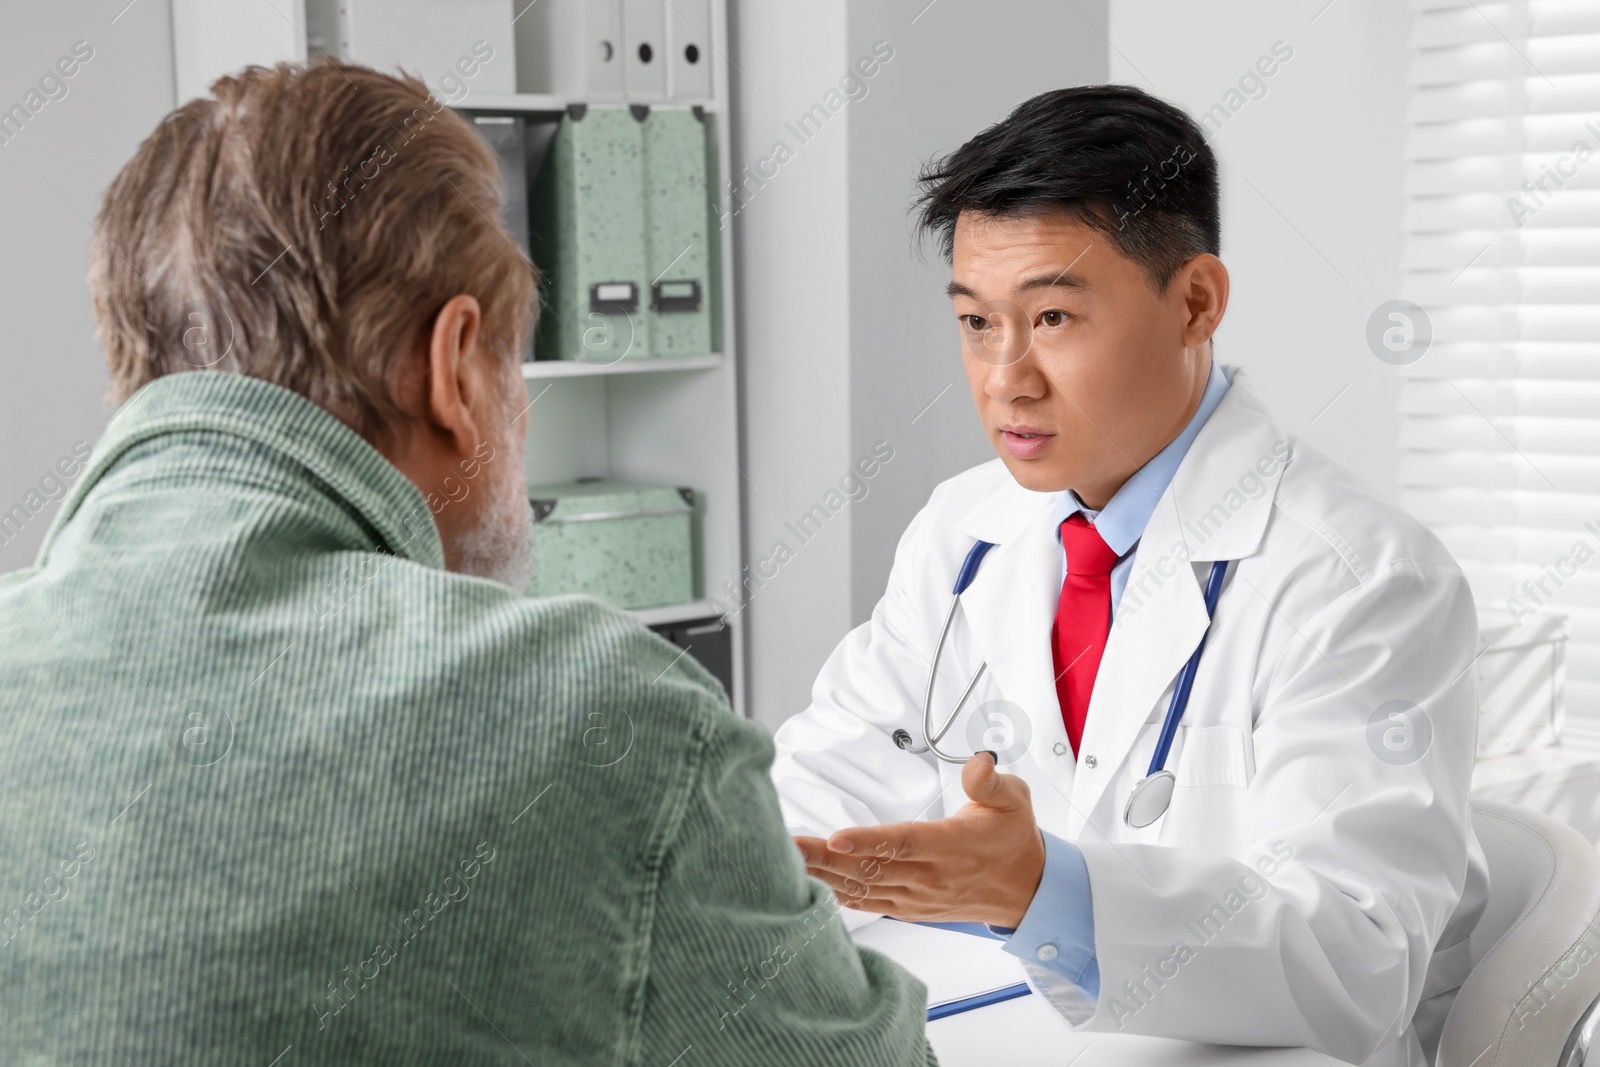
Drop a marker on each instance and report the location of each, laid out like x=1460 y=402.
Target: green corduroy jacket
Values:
x=277 y=789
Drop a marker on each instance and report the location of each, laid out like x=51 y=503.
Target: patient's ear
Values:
x=456 y=389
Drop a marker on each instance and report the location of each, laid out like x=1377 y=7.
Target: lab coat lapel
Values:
x=1150 y=640
x=1215 y=509
x=1011 y=607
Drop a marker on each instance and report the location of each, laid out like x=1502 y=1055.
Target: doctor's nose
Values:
x=1016 y=380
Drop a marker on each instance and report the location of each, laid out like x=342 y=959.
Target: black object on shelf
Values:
x=709 y=641
x=507 y=135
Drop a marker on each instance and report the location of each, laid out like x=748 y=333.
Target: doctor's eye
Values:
x=1053 y=318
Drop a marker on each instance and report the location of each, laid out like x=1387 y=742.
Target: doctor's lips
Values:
x=1025 y=442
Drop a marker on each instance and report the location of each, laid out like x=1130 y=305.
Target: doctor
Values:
x=1307 y=874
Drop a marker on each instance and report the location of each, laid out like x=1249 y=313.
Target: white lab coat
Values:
x=1313 y=880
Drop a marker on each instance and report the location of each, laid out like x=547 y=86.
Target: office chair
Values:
x=1532 y=998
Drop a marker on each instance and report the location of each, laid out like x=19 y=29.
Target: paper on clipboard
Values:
x=954 y=966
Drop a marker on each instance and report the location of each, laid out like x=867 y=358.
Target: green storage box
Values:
x=588 y=209
x=621 y=229
x=628 y=544
x=677 y=237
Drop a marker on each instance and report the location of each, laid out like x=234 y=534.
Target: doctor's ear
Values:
x=1202 y=286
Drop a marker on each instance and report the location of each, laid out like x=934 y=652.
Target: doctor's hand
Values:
x=982 y=864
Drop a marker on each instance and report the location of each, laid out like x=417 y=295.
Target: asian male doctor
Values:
x=1298 y=866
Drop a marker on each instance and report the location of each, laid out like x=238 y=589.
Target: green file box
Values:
x=677 y=247
x=589 y=223
x=628 y=544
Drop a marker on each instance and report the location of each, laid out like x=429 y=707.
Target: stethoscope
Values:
x=1152 y=794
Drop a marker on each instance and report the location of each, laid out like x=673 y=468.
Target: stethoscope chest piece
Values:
x=1149 y=799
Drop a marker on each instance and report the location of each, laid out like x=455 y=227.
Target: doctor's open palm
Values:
x=982 y=864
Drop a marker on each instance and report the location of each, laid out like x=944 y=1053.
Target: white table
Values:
x=1025 y=1032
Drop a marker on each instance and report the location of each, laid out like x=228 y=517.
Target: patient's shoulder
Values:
x=591 y=673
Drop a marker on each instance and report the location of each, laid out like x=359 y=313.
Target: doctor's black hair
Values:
x=1117 y=159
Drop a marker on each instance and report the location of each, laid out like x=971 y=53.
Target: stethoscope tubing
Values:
x=934 y=737
x=1180 y=692
x=969 y=570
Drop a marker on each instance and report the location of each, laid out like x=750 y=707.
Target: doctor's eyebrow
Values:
x=1064 y=279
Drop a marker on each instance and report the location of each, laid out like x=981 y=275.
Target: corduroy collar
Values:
x=288 y=424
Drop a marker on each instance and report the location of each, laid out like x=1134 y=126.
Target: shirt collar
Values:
x=1122 y=521
x=319 y=456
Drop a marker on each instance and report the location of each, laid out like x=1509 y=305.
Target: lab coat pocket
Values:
x=1211 y=755
x=1208 y=803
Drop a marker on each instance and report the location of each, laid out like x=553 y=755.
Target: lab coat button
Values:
x=1089 y=760
x=1061 y=748
x=1047 y=953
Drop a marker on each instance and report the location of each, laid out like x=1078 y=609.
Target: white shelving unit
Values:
x=549 y=102
x=574 y=368
x=516 y=102
x=660 y=421
x=697 y=609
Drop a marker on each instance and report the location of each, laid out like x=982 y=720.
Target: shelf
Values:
x=547 y=102
x=699 y=609
x=577 y=368
x=510 y=102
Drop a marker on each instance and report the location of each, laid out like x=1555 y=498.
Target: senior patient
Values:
x=290 y=774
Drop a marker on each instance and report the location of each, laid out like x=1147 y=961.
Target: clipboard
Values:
x=982 y=1000
x=962 y=964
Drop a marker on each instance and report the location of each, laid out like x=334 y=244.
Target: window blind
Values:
x=1500 y=417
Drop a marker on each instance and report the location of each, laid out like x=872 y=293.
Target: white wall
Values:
x=52 y=173
x=1311 y=175
x=791 y=247
x=845 y=334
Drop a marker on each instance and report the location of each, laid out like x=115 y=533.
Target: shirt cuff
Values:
x=1057 y=930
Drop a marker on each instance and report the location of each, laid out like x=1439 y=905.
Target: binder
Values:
x=644 y=64
x=508 y=137
x=467 y=44
x=689 y=50
x=572 y=48
x=677 y=233
x=588 y=209
x=506 y=134
x=709 y=640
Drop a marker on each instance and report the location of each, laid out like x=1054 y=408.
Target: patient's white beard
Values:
x=500 y=546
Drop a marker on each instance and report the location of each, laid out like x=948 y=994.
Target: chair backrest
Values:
x=1536 y=950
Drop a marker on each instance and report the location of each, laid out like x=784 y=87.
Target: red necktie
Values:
x=1083 y=621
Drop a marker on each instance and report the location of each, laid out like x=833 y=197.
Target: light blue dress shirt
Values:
x=1057 y=931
